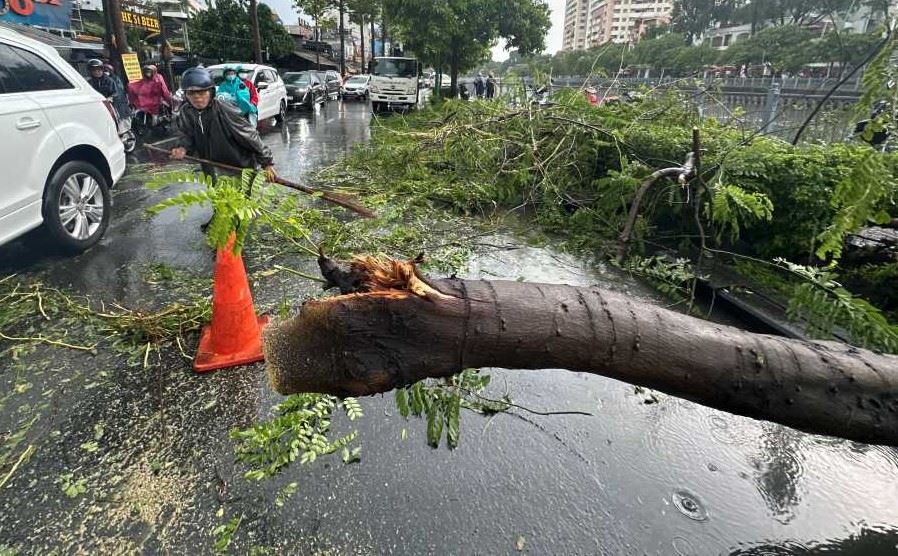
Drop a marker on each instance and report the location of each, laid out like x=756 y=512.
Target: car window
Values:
x=23 y=71
x=271 y=75
x=261 y=77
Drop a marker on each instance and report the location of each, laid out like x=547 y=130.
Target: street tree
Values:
x=315 y=9
x=364 y=12
x=785 y=48
x=224 y=32
x=460 y=32
x=694 y=17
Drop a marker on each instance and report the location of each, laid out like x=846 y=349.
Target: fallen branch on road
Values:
x=392 y=327
x=335 y=198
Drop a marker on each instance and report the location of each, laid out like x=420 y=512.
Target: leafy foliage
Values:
x=858 y=199
x=300 y=431
x=233 y=208
x=827 y=307
x=671 y=277
x=467 y=29
x=440 y=403
x=224 y=534
x=223 y=32
x=730 y=205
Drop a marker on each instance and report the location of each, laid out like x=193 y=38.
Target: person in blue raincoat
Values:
x=232 y=89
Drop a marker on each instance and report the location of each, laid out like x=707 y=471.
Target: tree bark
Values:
x=254 y=28
x=403 y=329
x=342 y=42
x=362 y=32
x=373 y=51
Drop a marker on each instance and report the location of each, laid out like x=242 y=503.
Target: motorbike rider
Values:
x=215 y=130
x=101 y=83
x=148 y=94
x=120 y=99
x=234 y=90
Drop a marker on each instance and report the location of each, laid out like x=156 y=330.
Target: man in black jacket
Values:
x=101 y=83
x=216 y=130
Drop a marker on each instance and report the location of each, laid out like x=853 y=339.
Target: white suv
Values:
x=59 y=148
x=272 y=90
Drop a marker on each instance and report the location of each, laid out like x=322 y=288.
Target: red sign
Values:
x=26 y=7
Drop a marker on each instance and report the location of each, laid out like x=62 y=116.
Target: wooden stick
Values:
x=335 y=198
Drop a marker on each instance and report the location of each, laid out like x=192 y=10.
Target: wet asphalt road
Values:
x=660 y=478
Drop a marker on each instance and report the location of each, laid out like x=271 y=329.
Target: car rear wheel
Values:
x=77 y=206
x=282 y=114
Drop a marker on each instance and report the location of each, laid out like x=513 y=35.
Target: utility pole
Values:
x=383 y=34
x=118 y=27
x=342 y=42
x=254 y=25
x=362 y=30
x=373 y=52
x=164 y=48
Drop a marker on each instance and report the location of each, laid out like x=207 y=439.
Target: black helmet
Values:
x=197 y=79
x=94 y=63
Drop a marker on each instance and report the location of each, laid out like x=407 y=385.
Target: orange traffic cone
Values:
x=235 y=335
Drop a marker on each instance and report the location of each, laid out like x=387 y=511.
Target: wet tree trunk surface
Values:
x=405 y=328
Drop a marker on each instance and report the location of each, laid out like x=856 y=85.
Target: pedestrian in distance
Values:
x=479 y=85
x=214 y=130
x=491 y=86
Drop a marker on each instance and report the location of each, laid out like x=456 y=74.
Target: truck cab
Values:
x=394 y=82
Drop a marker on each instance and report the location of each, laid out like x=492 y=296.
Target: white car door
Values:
x=29 y=146
x=265 y=95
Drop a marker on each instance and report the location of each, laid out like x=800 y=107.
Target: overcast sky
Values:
x=284 y=8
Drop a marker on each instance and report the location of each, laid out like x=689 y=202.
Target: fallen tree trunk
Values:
x=405 y=328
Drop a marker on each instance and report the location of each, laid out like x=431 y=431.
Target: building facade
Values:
x=590 y=23
x=576 y=19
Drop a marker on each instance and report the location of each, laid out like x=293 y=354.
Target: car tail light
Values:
x=112 y=113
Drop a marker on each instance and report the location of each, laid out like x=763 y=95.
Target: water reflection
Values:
x=779 y=466
x=869 y=541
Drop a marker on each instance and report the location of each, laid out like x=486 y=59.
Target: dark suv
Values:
x=332 y=83
x=304 y=89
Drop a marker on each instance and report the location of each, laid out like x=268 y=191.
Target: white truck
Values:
x=394 y=82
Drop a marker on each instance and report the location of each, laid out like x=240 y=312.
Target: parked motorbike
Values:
x=126 y=134
x=144 y=123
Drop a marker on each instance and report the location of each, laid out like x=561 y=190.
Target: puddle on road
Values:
x=150 y=447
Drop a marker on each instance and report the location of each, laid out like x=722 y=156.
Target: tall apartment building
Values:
x=576 y=19
x=620 y=21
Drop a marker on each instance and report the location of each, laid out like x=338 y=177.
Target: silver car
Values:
x=356 y=87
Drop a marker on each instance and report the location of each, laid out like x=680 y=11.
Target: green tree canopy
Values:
x=459 y=33
x=785 y=48
x=223 y=32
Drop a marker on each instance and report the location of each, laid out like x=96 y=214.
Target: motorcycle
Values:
x=126 y=134
x=144 y=123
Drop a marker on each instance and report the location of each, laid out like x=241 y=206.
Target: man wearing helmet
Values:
x=101 y=83
x=147 y=94
x=215 y=130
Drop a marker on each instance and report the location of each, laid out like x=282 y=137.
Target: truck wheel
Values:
x=77 y=206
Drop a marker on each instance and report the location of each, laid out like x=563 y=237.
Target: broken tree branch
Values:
x=335 y=198
x=401 y=328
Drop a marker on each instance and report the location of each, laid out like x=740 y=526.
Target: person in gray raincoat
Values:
x=216 y=131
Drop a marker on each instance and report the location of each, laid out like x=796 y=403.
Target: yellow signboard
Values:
x=132 y=66
x=139 y=20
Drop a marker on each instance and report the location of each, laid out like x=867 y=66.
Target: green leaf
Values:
x=453 y=410
x=402 y=402
x=434 y=425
